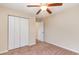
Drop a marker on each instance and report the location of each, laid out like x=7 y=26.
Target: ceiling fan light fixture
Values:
x=43 y=7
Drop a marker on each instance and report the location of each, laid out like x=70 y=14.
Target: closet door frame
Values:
x=8 y=29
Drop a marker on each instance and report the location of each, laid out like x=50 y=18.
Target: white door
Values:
x=11 y=33
x=41 y=31
x=23 y=32
x=17 y=32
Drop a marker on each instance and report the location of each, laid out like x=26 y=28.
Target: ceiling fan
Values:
x=44 y=6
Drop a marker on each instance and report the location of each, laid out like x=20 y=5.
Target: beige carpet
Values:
x=41 y=48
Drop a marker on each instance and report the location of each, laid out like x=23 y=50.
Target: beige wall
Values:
x=4 y=12
x=62 y=29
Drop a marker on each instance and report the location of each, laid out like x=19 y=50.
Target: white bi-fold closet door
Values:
x=18 y=32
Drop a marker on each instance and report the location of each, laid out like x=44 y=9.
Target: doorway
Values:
x=40 y=31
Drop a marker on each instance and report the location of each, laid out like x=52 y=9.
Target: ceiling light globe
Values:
x=43 y=7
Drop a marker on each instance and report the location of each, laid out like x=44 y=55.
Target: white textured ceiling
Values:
x=22 y=7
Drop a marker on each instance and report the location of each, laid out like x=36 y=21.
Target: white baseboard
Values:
x=3 y=51
x=64 y=47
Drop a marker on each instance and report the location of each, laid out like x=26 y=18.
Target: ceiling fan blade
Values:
x=33 y=5
x=38 y=12
x=55 y=4
x=48 y=11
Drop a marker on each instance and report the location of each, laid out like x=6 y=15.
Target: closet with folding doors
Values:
x=18 y=32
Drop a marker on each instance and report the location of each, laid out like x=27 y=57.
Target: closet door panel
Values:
x=23 y=32
x=17 y=32
x=11 y=33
